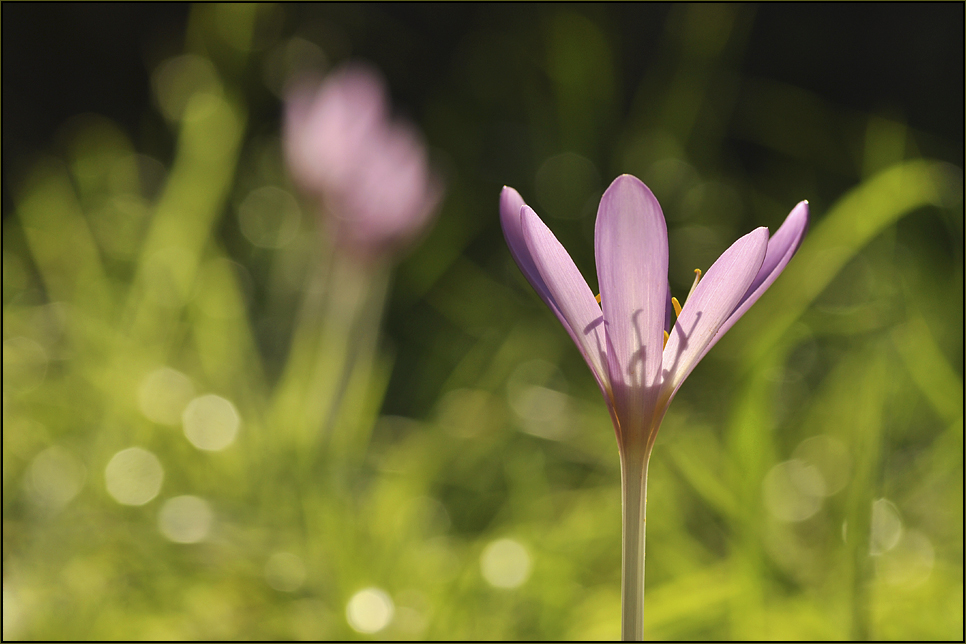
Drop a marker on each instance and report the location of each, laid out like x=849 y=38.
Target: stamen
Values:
x=697 y=278
x=677 y=307
x=666 y=336
x=598 y=298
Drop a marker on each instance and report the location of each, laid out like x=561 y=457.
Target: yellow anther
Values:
x=598 y=298
x=697 y=278
x=677 y=307
x=666 y=336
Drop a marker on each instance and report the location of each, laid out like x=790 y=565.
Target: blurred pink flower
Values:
x=370 y=172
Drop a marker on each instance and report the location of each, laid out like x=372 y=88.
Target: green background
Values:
x=398 y=420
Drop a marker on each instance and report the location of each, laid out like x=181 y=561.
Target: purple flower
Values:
x=623 y=338
x=370 y=172
x=637 y=356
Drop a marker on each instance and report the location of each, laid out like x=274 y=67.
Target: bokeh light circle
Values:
x=505 y=563
x=793 y=491
x=886 y=527
x=211 y=422
x=185 y=519
x=163 y=395
x=133 y=476
x=370 y=610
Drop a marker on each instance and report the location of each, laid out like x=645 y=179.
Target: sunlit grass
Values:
x=216 y=427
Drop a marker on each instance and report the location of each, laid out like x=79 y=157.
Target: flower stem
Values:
x=634 y=504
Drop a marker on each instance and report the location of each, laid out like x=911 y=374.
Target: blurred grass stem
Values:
x=359 y=339
x=334 y=345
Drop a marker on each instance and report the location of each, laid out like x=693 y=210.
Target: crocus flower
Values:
x=370 y=172
x=637 y=356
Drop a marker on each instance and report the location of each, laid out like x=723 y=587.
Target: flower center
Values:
x=674 y=301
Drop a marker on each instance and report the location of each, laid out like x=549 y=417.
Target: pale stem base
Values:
x=634 y=505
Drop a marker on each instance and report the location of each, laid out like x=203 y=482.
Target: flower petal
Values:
x=569 y=296
x=667 y=310
x=632 y=258
x=781 y=248
x=713 y=301
x=511 y=204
